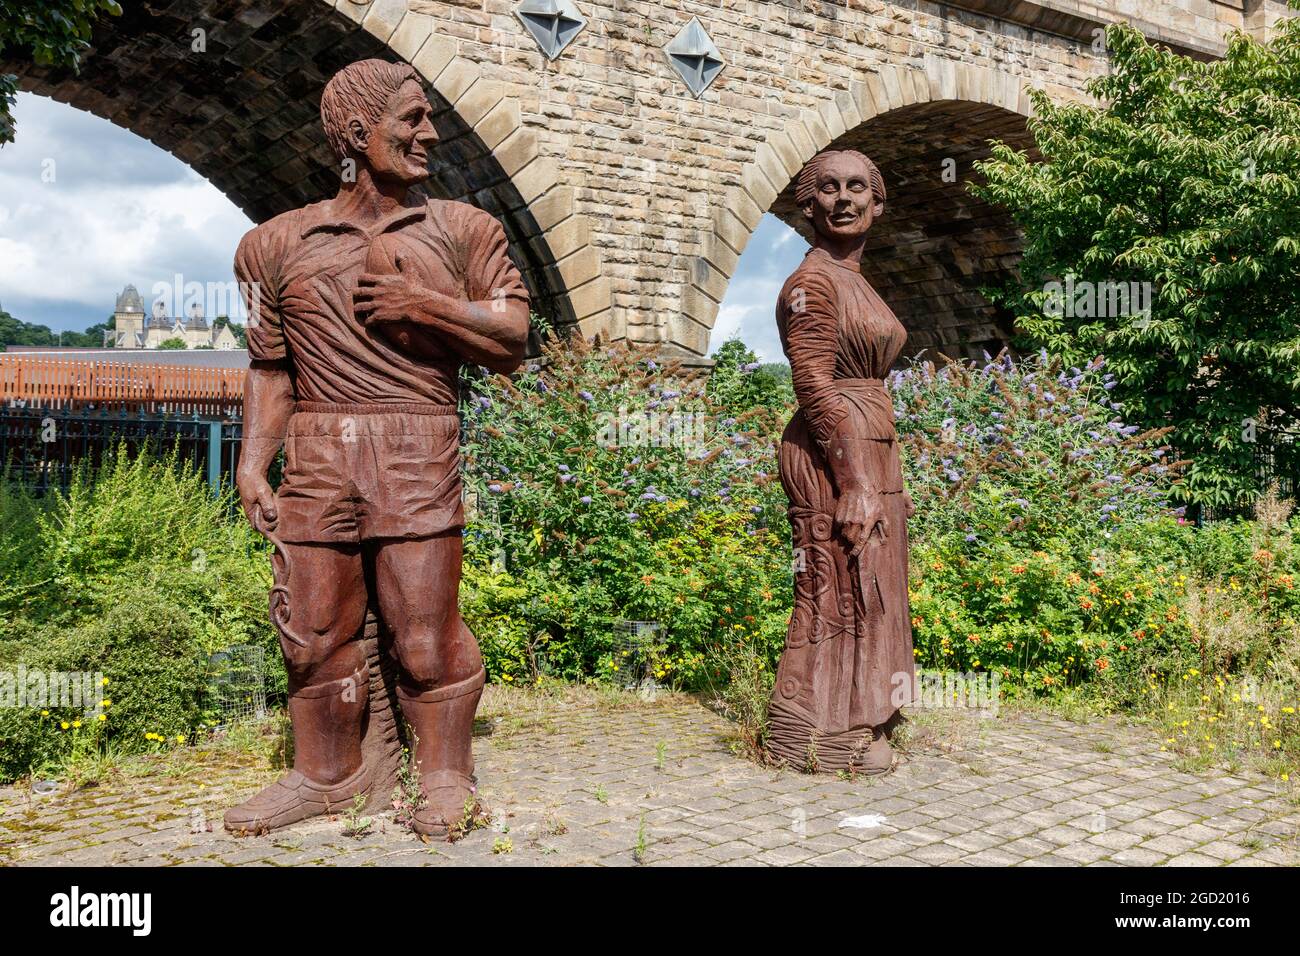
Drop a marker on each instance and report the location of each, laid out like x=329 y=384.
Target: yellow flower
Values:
x=76 y=723
x=104 y=682
x=45 y=713
x=103 y=716
x=64 y=725
x=180 y=738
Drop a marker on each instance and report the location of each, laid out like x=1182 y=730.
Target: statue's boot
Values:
x=328 y=772
x=877 y=756
x=443 y=722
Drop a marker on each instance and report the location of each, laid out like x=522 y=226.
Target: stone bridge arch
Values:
x=244 y=113
x=627 y=194
x=936 y=245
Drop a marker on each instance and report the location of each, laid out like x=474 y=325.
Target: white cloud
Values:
x=118 y=210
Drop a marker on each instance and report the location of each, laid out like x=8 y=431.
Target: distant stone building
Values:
x=134 y=329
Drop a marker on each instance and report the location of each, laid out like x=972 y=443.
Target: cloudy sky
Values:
x=86 y=207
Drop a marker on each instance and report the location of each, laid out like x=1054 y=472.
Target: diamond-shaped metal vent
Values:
x=694 y=56
x=554 y=24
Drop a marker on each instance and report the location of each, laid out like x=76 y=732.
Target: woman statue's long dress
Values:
x=848 y=662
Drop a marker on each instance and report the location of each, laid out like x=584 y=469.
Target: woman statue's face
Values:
x=843 y=205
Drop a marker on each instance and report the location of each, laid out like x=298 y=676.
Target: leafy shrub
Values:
x=149 y=653
x=607 y=487
x=138 y=571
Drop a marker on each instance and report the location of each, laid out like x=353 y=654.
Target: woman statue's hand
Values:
x=859 y=513
x=909 y=508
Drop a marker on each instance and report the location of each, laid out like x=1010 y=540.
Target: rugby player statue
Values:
x=362 y=309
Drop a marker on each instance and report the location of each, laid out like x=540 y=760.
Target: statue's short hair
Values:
x=805 y=188
x=360 y=89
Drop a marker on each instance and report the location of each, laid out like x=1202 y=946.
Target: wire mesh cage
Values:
x=636 y=645
x=236 y=687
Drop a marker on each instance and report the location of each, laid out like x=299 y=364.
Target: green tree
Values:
x=740 y=382
x=17 y=332
x=48 y=33
x=1184 y=183
x=173 y=343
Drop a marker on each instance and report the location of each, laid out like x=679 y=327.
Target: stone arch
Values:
x=244 y=114
x=900 y=103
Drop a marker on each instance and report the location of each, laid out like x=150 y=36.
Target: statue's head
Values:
x=840 y=192
x=376 y=113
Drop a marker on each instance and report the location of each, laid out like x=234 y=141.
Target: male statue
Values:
x=362 y=309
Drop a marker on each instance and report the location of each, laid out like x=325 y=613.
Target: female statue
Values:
x=848 y=663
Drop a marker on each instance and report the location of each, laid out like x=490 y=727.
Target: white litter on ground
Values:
x=868 y=821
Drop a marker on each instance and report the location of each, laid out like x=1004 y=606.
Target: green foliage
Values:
x=16 y=332
x=1186 y=182
x=49 y=33
x=608 y=488
x=140 y=572
x=1026 y=452
x=739 y=382
x=173 y=343
x=149 y=651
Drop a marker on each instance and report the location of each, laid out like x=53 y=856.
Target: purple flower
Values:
x=586 y=396
x=585 y=499
x=494 y=487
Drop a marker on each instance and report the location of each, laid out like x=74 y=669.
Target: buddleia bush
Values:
x=1046 y=548
x=607 y=486
x=1027 y=451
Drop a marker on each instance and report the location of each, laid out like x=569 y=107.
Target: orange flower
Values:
x=1102 y=663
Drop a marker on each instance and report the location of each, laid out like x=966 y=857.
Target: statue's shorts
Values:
x=356 y=473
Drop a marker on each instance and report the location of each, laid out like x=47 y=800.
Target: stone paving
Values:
x=583 y=779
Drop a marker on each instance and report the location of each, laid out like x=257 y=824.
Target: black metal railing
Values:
x=42 y=448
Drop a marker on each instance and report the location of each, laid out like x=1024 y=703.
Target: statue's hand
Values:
x=389 y=298
x=257 y=500
x=909 y=508
x=859 y=513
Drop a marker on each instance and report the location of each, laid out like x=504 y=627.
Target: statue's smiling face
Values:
x=843 y=206
x=397 y=148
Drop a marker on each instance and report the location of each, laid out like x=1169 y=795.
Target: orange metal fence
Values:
x=39 y=381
